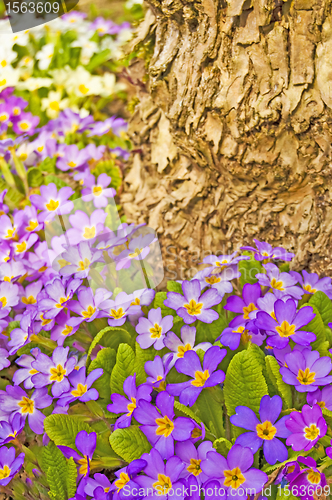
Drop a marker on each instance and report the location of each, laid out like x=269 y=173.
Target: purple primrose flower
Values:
x=306 y=427
x=306 y=370
x=152 y=330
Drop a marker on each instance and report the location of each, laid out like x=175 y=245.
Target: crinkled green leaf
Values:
x=210 y=411
x=324 y=306
x=105 y=359
x=244 y=384
x=317 y=327
x=63 y=429
x=159 y=299
x=55 y=466
x=185 y=411
x=129 y=443
x=174 y=286
x=124 y=366
x=284 y=390
x=209 y=332
x=222 y=445
x=100 y=335
x=249 y=269
x=71 y=477
x=35 y=177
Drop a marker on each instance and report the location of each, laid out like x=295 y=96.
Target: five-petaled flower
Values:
x=264 y=431
x=306 y=370
x=306 y=427
x=192 y=305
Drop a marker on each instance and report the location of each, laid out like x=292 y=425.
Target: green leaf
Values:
x=159 y=299
x=129 y=443
x=210 y=411
x=317 y=327
x=249 y=269
x=35 y=177
x=98 y=338
x=56 y=180
x=63 y=429
x=222 y=445
x=244 y=384
x=174 y=286
x=111 y=169
x=142 y=356
x=284 y=390
x=71 y=477
x=47 y=165
x=184 y=410
x=105 y=359
x=324 y=306
x=209 y=332
x=98 y=59
x=124 y=366
x=55 y=466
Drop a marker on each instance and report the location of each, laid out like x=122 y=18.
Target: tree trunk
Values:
x=233 y=129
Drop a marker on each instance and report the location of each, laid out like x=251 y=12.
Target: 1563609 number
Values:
x=32 y=7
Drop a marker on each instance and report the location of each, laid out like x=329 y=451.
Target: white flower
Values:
x=26 y=62
x=25 y=153
x=54 y=103
x=44 y=56
x=124 y=36
x=34 y=83
x=109 y=84
x=21 y=38
x=81 y=83
x=61 y=75
x=88 y=47
x=8 y=77
x=7 y=55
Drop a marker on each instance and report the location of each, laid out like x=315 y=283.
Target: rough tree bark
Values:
x=234 y=128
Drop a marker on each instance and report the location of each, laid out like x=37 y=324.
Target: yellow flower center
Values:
x=196 y=433
x=63 y=263
x=131 y=407
x=44 y=320
x=162 y=385
x=117 y=313
x=52 y=205
x=42 y=269
x=67 y=330
x=40 y=149
x=211 y=280
x=72 y=164
x=10 y=233
x=163 y=485
x=322 y=404
x=285 y=329
x=165 y=426
x=61 y=302
x=233 y=478
x=200 y=378
x=83 y=89
x=245 y=337
x=5 y=472
x=84 y=465
x=79 y=391
x=8 y=278
x=311 y=432
x=32 y=226
x=97 y=190
x=194 y=467
x=136 y=253
x=182 y=349
x=3 y=82
x=273 y=315
x=122 y=481
x=83 y=264
x=89 y=312
x=136 y=302
x=27 y=405
x=24 y=125
x=21 y=247
x=276 y=284
x=3 y=301
x=57 y=373
x=3 y=117
x=246 y=310
x=54 y=105
x=266 y=430
x=194 y=308
x=33 y=371
x=313 y=477
x=308 y=289
x=29 y=300
x=155 y=331
x=23 y=156
x=89 y=232
x=306 y=377
x=16 y=111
